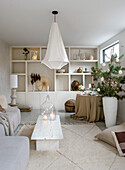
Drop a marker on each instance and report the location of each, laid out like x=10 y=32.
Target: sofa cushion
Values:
x=106 y=135
x=14 y=152
x=14 y=115
x=119 y=138
x=2 y=109
x=3 y=101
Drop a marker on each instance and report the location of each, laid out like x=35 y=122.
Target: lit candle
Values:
x=44 y=117
x=89 y=86
x=52 y=116
x=48 y=88
x=92 y=80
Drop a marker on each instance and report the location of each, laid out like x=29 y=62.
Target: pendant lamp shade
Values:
x=56 y=56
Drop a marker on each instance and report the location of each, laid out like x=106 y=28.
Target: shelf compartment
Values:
x=79 y=78
x=21 y=83
x=18 y=68
x=41 y=69
x=62 y=83
x=79 y=53
x=75 y=66
x=88 y=80
x=17 y=53
x=66 y=67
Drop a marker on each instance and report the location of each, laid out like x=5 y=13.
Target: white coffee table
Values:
x=47 y=134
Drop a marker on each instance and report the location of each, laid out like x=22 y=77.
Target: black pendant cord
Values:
x=54 y=13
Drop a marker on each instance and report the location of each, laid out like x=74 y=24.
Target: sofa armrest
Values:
x=2 y=131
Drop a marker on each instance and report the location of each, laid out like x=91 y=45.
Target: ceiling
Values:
x=81 y=22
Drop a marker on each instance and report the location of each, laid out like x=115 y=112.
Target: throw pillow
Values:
x=2 y=109
x=106 y=135
x=119 y=138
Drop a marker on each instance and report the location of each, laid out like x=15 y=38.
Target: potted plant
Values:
x=109 y=85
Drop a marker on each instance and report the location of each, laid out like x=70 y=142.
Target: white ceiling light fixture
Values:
x=56 y=56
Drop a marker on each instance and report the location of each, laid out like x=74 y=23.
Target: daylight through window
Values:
x=110 y=50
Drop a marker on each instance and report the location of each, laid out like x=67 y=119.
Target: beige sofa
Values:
x=14 y=150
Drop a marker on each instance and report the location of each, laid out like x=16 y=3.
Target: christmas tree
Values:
x=110 y=81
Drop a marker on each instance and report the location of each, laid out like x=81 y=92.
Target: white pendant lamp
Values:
x=56 y=56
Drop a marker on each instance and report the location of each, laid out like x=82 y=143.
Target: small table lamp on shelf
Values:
x=13 y=86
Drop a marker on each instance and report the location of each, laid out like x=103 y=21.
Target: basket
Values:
x=70 y=105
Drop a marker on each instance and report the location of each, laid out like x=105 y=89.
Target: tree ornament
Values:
x=102 y=78
x=98 y=89
x=117 y=60
x=120 y=71
x=103 y=64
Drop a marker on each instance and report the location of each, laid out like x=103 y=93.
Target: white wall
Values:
x=121 y=38
x=4 y=70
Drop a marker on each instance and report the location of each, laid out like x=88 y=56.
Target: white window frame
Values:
x=101 y=51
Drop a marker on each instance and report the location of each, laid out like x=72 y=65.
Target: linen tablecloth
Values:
x=88 y=108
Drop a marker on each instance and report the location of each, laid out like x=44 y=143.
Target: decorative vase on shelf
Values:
x=75 y=85
x=79 y=70
x=91 y=57
x=110 y=106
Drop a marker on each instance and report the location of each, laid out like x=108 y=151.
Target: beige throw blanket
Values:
x=7 y=124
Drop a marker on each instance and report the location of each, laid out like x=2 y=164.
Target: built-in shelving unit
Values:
x=78 y=57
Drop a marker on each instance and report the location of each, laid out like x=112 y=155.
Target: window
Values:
x=110 y=50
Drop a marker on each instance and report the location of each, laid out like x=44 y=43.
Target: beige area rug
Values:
x=78 y=151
